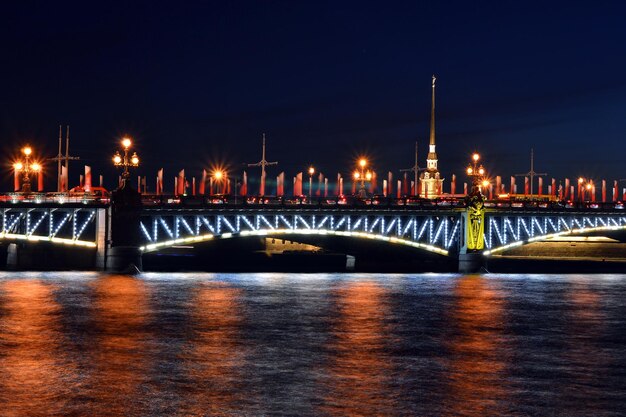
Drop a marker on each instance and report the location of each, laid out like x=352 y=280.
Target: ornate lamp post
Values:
x=362 y=175
x=126 y=161
x=217 y=177
x=477 y=173
x=26 y=168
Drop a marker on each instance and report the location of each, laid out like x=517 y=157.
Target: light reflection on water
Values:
x=477 y=352
x=318 y=344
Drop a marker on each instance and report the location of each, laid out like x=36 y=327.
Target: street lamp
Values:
x=477 y=173
x=26 y=167
x=581 y=190
x=217 y=176
x=126 y=161
x=363 y=176
x=311 y=172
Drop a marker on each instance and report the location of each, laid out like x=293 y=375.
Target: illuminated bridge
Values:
x=440 y=230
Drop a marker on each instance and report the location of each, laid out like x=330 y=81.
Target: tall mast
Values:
x=415 y=169
x=60 y=158
x=532 y=174
x=263 y=163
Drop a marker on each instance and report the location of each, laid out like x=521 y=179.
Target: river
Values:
x=164 y=344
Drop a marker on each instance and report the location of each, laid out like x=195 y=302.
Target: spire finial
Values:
x=432 y=115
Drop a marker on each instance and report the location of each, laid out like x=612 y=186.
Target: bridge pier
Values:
x=471 y=262
x=471 y=241
x=12 y=258
x=103 y=230
x=124 y=255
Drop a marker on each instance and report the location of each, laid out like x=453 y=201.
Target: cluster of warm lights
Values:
x=124 y=161
x=367 y=176
x=589 y=184
x=34 y=167
x=361 y=174
x=474 y=170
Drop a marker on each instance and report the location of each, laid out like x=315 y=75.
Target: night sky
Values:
x=197 y=83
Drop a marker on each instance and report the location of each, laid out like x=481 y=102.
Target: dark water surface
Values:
x=88 y=344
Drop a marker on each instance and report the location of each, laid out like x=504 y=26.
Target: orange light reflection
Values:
x=216 y=356
x=477 y=387
x=122 y=347
x=35 y=377
x=359 y=374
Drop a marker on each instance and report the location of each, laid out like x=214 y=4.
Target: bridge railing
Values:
x=369 y=202
x=301 y=202
x=53 y=198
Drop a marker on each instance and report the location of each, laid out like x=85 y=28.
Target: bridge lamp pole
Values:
x=363 y=176
x=126 y=161
x=581 y=190
x=477 y=173
x=311 y=172
x=217 y=176
x=26 y=167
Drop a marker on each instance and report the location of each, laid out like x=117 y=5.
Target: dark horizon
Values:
x=197 y=85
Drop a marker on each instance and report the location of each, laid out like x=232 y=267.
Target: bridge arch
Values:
x=504 y=232
x=428 y=232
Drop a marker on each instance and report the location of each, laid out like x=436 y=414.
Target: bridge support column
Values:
x=470 y=262
x=472 y=242
x=124 y=255
x=103 y=231
x=12 y=257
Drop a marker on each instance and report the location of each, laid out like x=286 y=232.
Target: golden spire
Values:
x=432 y=115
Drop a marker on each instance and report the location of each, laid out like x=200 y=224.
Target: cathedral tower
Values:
x=431 y=181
